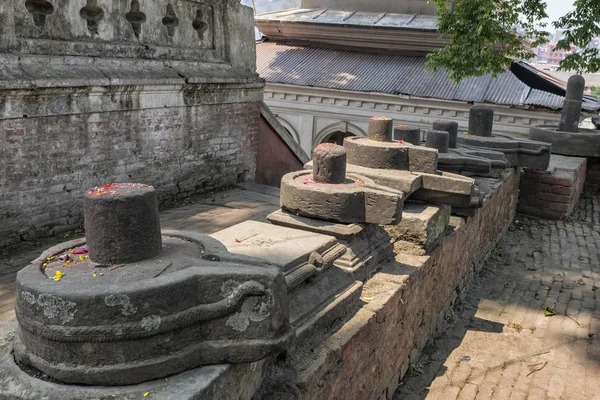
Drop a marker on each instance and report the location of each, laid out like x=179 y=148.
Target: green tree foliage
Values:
x=483 y=38
x=584 y=24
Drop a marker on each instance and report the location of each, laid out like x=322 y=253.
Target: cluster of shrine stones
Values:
x=122 y=226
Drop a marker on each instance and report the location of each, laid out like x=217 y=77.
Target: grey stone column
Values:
x=481 y=121
x=408 y=134
x=449 y=126
x=438 y=140
x=569 y=120
x=381 y=129
x=122 y=223
x=329 y=163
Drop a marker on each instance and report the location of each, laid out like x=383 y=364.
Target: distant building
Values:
x=332 y=64
x=547 y=54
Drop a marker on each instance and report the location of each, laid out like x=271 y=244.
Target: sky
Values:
x=558 y=8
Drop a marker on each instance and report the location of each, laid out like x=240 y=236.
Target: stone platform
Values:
x=553 y=193
x=403 y=304
x=400 y=305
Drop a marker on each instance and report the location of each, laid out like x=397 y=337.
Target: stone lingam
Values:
x=478 y=162
x=518 y=152
x=129 y=303
x=329 y=193
x=567 y=138
x=408 y=168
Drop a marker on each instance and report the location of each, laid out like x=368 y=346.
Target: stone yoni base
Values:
x=553 y=193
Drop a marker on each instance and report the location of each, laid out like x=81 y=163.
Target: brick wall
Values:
x=274 y=157
x=404 y=305
x=592 y=181
x=48 y=162
x=554 y=193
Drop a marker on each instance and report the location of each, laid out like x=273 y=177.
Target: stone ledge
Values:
x=404 y=304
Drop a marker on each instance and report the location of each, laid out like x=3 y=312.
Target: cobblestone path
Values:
x=502 y=344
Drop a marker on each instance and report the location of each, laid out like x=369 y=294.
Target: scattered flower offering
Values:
x=58 y=275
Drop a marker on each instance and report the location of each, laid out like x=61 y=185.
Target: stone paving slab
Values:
x=500 y=344
x=206 y=215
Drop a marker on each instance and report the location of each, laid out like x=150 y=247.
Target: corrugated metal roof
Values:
x=352 y=18
x=545 y=99
x=393 y=74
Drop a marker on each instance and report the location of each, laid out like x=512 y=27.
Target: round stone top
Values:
x=575 y=88
x=329 y=163
x=118 y=189
x=122 y=223
x=330 y=148
x=381 y=129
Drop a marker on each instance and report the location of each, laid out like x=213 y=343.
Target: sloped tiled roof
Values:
x=392 y=74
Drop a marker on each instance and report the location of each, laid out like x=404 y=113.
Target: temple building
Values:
x=332 y=64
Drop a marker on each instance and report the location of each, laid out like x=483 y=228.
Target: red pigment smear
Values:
x=308 y=181
x=238 y=241
x=111 y=188
x=400 y=141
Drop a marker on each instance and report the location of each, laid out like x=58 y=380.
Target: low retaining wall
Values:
x=553 y=193
x=592 y=180
x=404 y=304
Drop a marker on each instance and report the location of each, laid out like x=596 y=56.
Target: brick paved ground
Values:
x=515 y=351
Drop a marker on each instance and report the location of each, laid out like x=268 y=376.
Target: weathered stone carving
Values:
x=39 y=10
x=377 y=151
x=200 y=24
x=518 y=152
x=447 y=126
x=316 y=194
x=90 y=320
x=410 y=169
x=567 y=138
x=92 y=14
x=136 y=18
x=121 y=224
x=366 y=244
x=319 y=291
x=569 y=121
x=439 y=140
x=460 y=160
x=408 y=134
x=170 y=20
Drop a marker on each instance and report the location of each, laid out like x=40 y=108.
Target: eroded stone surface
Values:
x=422 y=224
x=518 y=152
x=329 y=163
x=84 y=322
x=364 y=152
x=438 y=139
x=583 y=143
x=367 y=245
x=122 y=223
x=408 y=134
x=358 y=200
x=448 y=126
x=308 y=260
x=381 y=129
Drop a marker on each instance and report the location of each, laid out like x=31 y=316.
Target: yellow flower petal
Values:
x=146 y=394
x=58 y=275
x=94 y=275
